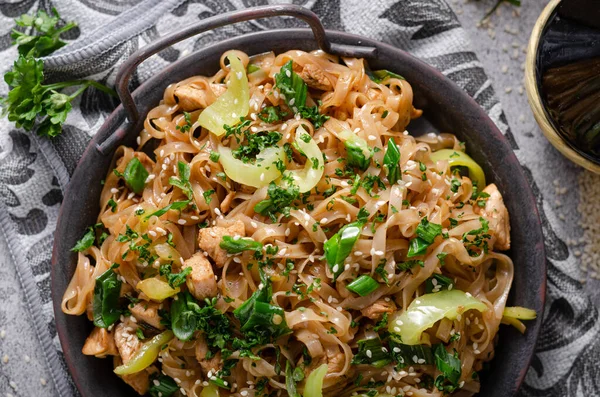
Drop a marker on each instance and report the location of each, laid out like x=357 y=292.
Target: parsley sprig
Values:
x=31 y=103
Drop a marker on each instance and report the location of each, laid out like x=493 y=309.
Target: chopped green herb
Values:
x=176 y=205
x=174 y=279
x=183 y=182
x=188 y=123
x=207 y=196
x=112 y=204
x=214 y=156
x=162 y=386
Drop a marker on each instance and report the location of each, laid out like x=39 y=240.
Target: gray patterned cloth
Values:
x=34 y=172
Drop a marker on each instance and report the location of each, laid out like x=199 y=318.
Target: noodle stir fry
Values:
x=277 y=231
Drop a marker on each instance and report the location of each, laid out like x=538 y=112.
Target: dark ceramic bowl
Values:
x=446 y=108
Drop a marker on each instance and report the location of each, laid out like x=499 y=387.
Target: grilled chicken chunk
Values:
x=210 y=238
x=201 y=281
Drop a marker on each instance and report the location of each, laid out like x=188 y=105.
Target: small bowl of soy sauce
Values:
x=562 y=78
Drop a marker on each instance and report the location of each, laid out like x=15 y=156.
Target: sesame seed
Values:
x=369 y=353
x=5 y=359
x=181 y=221
x=114 y=190
x=2 y=334
x=372 y=137
x=43 y=381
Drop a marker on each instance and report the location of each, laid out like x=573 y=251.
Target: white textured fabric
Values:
x=34 y=172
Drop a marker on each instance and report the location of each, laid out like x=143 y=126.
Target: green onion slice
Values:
x=363 y=285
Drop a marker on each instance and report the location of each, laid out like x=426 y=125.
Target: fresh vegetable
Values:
x=293 y=89
x=252 y=68
x=438 y=282
x=428 y=231
x=408 y=355
x=210 y=391
x=257 y=174
x=174 y=279
x=428 y=309
x=449 y=366
x=146 y=355
x=280 y=201
x=167 y=252
x=314 y=382
x=86 y=241
x=513 y=315
x=358 y=152
x=184 y=316
x=340 y=245
x=233 y=104
x=379 y=76
x=260 y=319
x=290 y=382
x=164 y=386
x=363 y=285
x=176 y=205
x=183 y=182
x=391 y=161
x=271 y=114
x=291 y=86
x=426 y=234
x=105 y=304
x=417 y=246
x=236 y=246
x=29 y=100
x=135 y=175
x=255 y=144
x=156 y=289
x=44 y=43
x=520 y=313
x=461 y=159
x=372 y=352
x=311 y=174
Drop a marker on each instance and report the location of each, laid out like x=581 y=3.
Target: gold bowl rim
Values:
x=535 y=100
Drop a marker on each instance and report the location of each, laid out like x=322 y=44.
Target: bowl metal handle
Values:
x=128 y=67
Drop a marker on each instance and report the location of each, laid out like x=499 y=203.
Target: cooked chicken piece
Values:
x=212 y=364
x=201 y=281
x=139 y=381
x=193 y=97
x=314 y=77
x=128 y=344
x=210 y=238
x=148 y=313
x=496 y=214
x=376 y=310
x=100 y=343
x=334 y=359
x=126 y=341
